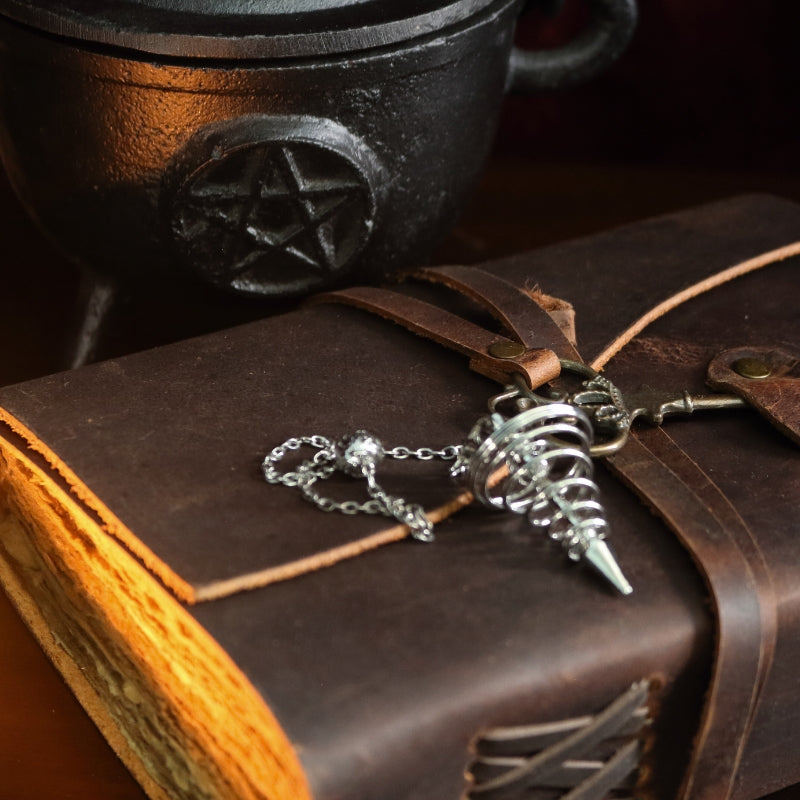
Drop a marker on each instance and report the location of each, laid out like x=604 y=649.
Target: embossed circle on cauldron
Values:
x=274 y=206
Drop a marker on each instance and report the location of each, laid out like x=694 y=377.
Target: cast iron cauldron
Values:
x=269 y=148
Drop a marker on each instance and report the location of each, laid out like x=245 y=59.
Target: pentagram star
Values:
x=281 y=202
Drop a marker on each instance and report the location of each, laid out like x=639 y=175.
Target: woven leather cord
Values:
x=667 y=479
x=586 y=758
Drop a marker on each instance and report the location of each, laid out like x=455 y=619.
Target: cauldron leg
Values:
x=114 y=318
x=97 y=298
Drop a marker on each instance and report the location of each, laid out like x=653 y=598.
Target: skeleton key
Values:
x=613 y=413
x=651 y=406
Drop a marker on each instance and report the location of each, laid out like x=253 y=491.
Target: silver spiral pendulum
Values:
x=538 y=463
x=535 y=461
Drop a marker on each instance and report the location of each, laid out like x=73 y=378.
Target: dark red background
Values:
x=712 y=83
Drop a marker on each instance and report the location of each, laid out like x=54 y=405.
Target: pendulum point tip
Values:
x=599 y=555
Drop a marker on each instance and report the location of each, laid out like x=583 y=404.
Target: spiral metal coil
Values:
x=538 y=463
x=508 y=463
x=570 y=511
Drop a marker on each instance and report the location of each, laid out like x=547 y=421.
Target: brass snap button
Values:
x=752 y=368
x=506 y=350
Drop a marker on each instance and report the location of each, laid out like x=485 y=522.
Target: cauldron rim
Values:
x=234 y=29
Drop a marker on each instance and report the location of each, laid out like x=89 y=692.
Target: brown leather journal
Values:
x=231 y=640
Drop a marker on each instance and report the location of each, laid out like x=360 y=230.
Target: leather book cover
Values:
x=231 y=640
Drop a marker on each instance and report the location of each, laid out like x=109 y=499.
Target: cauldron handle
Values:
x=610 y=29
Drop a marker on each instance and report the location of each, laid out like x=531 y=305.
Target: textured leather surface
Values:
x=191 y=426
x=382 y=669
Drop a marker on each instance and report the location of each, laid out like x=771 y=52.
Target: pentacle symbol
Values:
x=274 y=218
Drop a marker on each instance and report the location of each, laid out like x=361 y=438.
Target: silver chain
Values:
x=448 y=453
x=358 y=456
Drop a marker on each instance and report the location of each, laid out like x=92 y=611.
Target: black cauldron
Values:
x=265 y=148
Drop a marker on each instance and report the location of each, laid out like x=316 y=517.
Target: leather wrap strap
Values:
x=739 y=585
x=536 y=363
x=519 y=312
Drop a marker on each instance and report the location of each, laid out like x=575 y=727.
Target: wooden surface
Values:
x=48 y=747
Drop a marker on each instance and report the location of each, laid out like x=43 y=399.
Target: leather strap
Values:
x=768 y=378
x=535 y=364
x=519 y=312
x=739 y=585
